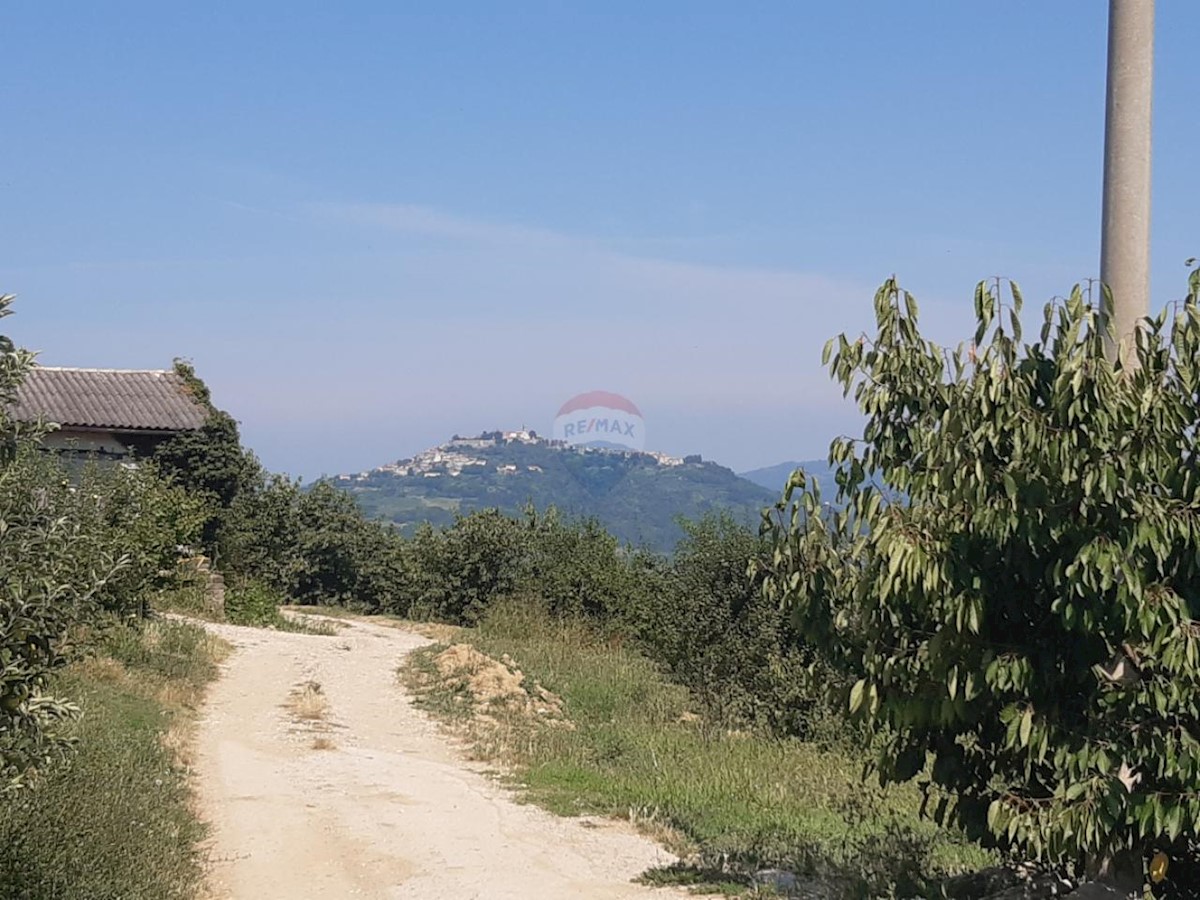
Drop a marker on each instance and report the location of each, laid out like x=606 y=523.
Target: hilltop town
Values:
x=462 y=453
x=637 y=495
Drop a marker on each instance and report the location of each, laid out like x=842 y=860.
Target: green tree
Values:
x=210 y=462
x=576 y=567
x=1017 y=605
x=711 y=625
x=460 y=571
x=35 y=613
x=260 y=534
x=345 y=559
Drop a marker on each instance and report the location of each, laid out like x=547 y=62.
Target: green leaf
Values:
x=1026 y=726
x=856 y=695
x=1010 y=485
x=1018 y=300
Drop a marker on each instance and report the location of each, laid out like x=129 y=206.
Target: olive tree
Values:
x=1011 y=579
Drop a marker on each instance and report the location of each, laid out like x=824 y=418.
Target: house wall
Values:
x=88 y=441
x=85 y=441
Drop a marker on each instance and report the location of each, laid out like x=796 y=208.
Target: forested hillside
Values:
x=637 y=497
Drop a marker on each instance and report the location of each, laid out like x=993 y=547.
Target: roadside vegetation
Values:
x=114 y=819
x=629 y=743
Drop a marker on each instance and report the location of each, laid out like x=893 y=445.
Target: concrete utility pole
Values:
x=1125 y=232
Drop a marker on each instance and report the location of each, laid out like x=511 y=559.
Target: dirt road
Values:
x=391 y=811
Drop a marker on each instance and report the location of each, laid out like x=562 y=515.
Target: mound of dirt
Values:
x=493 y=683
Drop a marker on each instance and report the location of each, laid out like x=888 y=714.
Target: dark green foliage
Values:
x=71 y=553
x=571 y=568
x=313 y=547
x=35 y=613
x=251 y=602
x=1025 y=624
x=461 y=571
x=718 y=635
x=261 y=533
x=134 y=517
x=700 y=614
x=578 y=569
x=210 y=463
x=345 y=559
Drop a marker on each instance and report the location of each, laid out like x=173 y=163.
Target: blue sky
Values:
x=372 y=225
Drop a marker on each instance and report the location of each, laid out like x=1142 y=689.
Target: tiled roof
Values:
x=109 y=398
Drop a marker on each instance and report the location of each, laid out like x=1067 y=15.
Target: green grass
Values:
x=114 y=822
x=736 y=801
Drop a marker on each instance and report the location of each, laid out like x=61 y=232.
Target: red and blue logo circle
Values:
x=601 y=419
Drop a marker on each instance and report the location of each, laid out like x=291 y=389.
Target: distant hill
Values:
x=636 y=496
x=775 y=477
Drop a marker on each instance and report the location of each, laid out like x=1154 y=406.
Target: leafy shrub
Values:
x=37 y=607
x=700 y=614
x=1027 y=618
x=712 y=628
x=461 y=571
x=208 y=463
x=572 y=568
x=344 y=559
x=260 y=537
x=579 y=569
x=133 y=513
x=251 y=602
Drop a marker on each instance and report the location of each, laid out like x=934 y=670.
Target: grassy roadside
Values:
x=732 y=802
x=115 y=820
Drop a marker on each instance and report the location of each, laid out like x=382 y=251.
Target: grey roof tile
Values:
x=109 y=398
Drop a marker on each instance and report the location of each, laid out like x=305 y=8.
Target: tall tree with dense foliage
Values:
x=1017 y=606
x=209 y=463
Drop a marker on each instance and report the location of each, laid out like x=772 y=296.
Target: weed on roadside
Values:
x=308 y=702
x=115 y=819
